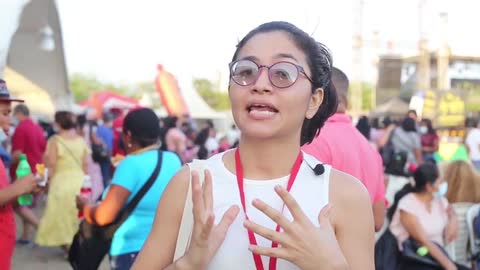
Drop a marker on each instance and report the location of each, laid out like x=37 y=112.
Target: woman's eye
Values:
x=282 y=75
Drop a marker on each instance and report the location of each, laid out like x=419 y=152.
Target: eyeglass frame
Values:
x=300 y=70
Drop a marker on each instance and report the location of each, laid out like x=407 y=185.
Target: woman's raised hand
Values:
x=301 y=242
x=206 y=236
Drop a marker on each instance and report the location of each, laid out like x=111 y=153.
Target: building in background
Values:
x=32 y=59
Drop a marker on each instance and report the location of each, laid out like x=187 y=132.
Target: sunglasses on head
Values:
x=281 y=74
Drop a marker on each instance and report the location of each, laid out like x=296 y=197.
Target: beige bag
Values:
x=186 y=225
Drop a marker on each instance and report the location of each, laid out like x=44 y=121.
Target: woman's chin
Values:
x=259 y=133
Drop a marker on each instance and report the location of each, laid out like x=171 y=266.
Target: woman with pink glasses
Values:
x=266 y=204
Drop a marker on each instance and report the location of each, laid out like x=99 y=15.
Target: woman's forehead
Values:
x=269 y=47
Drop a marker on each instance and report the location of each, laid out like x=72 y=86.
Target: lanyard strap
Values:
x=251 y=237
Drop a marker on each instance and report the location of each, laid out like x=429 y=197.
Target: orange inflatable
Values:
x=170 y=95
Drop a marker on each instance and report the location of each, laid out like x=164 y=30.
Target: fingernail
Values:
x=278 y=188
x=251 y=247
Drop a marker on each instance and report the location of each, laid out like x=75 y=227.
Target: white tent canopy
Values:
x=198 y=108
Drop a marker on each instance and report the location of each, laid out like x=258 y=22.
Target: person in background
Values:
x=10 y=192
x=406 y=139
x=429 y=140
x=200 y=142
x=341 y=145
x=67 y=160
x=420 y=211
x=233 y=135
x=174 y=139
x=27 y=139
x=212 y=142
x=94 y=171
x=413 y=115
x=105 y=134
x=472 y=142
x=463 y=192
x=141 y=135
x=463 y=182
x=363 y=127
x=118 y=144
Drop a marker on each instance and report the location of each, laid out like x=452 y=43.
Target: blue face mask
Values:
x=442 y=190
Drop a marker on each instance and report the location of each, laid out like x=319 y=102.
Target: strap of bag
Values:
x=186 y=225
x=60 y=140
x=136 y=199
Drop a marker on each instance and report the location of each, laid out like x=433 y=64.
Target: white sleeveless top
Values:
x=309 y=190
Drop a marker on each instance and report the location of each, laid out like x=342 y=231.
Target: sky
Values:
x=123 y=41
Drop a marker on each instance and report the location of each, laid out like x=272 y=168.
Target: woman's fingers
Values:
x=227 y=220
x=272 y=235
x=197 y=198
x=272 y=213
x=207 y=191
x=291 y=204
x=207 y=227
x=278 y=252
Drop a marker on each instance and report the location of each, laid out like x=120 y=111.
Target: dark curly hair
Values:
x=319 y=61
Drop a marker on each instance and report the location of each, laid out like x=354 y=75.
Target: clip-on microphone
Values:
x=318 y=169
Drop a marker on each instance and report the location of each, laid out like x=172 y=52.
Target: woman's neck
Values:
x=424 y=197
x=137 y=149
x=262 y=159
x=67 y=133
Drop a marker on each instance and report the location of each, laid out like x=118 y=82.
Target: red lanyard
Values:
x=251 y=237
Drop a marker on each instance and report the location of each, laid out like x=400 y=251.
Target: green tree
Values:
x=366 y=96
x=472 y=97
x=83 y=85
x=147 y=88
x=217 y=100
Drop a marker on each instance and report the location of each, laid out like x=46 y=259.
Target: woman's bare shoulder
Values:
x=348 y=194
x=346 y=187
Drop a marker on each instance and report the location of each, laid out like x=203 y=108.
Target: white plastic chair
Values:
x=474 y=241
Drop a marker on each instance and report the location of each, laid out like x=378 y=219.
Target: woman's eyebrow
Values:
x=250 y=57
x=286 y=55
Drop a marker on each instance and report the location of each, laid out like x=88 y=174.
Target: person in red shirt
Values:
x=8 y=193
x=27 y=139
x=341 y=145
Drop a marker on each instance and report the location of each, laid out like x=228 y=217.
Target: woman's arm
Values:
x=50 y=156
x=416 y=231
x=451 y=231
x=352 y=220
x=386 y=136
x=106 y=212
x=21 y=186
x=165 y=227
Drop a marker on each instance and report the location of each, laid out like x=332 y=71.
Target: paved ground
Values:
x=39 y=258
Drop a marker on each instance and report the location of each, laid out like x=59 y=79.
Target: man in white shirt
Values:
x=473 y=145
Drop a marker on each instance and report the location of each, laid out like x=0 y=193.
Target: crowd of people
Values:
x=294 y=184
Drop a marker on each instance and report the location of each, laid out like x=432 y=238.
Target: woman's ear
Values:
x=315 y=102
x=430 y=187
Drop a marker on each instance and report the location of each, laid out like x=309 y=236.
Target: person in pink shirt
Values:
x=341 y=145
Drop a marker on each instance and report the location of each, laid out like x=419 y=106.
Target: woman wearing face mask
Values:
x=420 y=211
x=429 y=139
x=262 y=205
